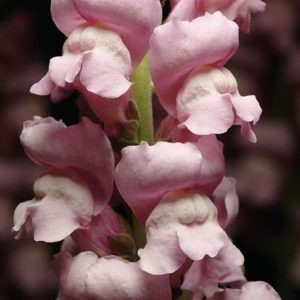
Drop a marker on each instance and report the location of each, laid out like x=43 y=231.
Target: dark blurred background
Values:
x=267 y=64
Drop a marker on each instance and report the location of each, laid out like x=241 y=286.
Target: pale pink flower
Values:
x=86 y=276
x=146 y=173
x=204 y=277
x=96 y=62
x=78 y=183
x=237 y=10
x=190 y=81
x=106 y=41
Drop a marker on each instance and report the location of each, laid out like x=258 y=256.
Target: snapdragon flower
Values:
x=106 y=41
x=190 y=80
x=169 y=194
x=78 y=181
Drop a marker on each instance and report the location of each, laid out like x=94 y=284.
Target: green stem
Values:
x=141 y=91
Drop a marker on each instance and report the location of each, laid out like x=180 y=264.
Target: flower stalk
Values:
x=141 y=92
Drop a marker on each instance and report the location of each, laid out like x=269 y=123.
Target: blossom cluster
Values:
x=150 y=219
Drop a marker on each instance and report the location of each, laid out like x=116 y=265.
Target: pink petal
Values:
x=21 y=223
x=204 y=103
x=65 y=15
x=162 y=254
x=52 y=144
x=64 y=69
x=194 y=44
x=227 y=201
x=213 y=165
x=145 y=173
x=230 y=255
x=194 y=276
x=109 y=78
x=199 y=239
x=210 y=243
x=47 y=87
x=44 y=87
x=247 y=132
x=62 y=205
x=88 y=277
x=211 y=115
x=247 y=108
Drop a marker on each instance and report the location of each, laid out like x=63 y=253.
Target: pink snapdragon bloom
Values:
x=258 y=290
x=190 y=80
x=88 y=277
x=166 y=186
x=237 y=10
x=78 y=183
x=96 y=62
x=204 y=277
x=146 y=173
x=106 y=41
